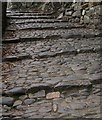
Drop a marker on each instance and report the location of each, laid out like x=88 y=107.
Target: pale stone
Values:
x=18 y=102
x=83 y=12
x=53 y=95
x=86 y=19
x=55 y=107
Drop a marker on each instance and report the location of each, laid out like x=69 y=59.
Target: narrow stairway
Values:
x=50 y=68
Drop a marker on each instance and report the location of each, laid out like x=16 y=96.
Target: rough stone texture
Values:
x=29 y=101
x=87 y=12
x=60 y=80
x=53 y=95
x=7 y=101
x=16 y=103
x=38 y=94
x=86 y=19
x=17 y=91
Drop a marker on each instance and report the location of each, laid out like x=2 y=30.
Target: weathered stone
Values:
x=77 y=20
x=16 y=103
x=86 y=19
x=77 y=14
x=97 y=91
x=77 y=6
x=83 y=12
x=6 y=107
x=34 y=116
x=74 y=94
x=72 y=83
x=9 y=101
x=95 y=68
x=53 y=95
x=16 y=91
x=23 y=97
x=68 y=13
x=97 y=9
x=58 y=64
x=91 y=10
x=39 y=86
x=19 y=107
x=81 y=20
x=39 y=94
x=11 y=57
x=29 y=101
x=62 y=107
x=45 y=109
x=96 y=21
x=31 y=110
x=17 y=118
x=77 y=105
x=54 y=80
x=69 y=99
x=55 y=107
x=46 y=54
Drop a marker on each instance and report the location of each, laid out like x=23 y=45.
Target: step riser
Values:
x=45 y=28
x=17 y=40
x=75 y=52
x=27 y=14
x=41 y=21
x=30 y=17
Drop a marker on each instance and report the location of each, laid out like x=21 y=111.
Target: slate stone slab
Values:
x=16 y=91
x=9 y=101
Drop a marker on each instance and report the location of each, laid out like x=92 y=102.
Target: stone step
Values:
x=52 y=37
x=57 y=73
x=51 y=48
x=30 y=17
x=62 y=85
x=44 y=26
x=27 y=14
x=61 y=33
x=65 y=85
x=17 y=40
x=35 y=12
x=50 y=73
x=53 y=108
x=16 y=21
x=50 y=54
x=15 y=58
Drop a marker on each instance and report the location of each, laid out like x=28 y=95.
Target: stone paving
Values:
x=55 y=76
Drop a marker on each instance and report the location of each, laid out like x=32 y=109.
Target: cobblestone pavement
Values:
x=51 y=69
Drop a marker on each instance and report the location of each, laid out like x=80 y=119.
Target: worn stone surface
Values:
x=37 y=94
x=53 y=95
x=17 y=91
x=7 y=101
x=62 y=77
x=16 y=103
x=29 y=101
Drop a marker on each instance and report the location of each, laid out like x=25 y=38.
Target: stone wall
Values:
x=85 y=13
x=80 y=12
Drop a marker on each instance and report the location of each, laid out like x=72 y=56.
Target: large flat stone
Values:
x=16 y=91
x=73 y=83
x=38 y=86
x=9 y=101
